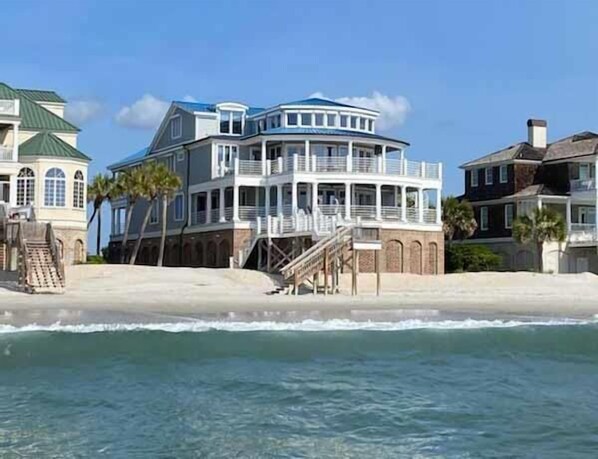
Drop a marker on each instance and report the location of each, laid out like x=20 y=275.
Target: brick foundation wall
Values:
x=417 y=252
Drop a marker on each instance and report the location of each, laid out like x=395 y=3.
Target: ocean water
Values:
x=313 y=389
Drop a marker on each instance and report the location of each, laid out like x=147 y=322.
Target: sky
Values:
x=456 y=79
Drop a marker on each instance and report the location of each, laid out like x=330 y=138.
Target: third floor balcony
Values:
x=9 y=107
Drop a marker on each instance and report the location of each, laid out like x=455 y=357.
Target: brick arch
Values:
x=79 y=251
x=187 y=254
x=211 y=254
x=415 y=257
x=199 y=254
x=173 y=258
x=223 y=254
x=394 y=256
x=432 y=258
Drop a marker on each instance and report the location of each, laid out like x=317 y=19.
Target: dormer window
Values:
x=344 y=121
x=306 y=119
x=292 y=119
x=331 y=120
x=353 y=122
x=231 y=122
x=319 y=119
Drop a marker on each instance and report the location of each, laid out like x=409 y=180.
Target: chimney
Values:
x=536 y=133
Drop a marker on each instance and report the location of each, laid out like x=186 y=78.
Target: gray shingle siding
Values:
x=188 y=130
x=201 y=164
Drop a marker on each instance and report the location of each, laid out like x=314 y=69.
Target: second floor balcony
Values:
x=300 y=164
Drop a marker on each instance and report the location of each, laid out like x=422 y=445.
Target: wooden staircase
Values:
x=39 y=262
x=324 y=257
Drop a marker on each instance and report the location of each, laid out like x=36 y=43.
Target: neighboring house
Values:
x=41 y=167
x=286 y=173
x=532 y=174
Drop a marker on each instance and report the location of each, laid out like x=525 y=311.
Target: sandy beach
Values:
x=112 y=293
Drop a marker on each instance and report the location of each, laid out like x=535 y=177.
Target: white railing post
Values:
x=379 y=167
x=420 y=205
x=423 y=169
x=403 y=166
x=208 y=207
x=378 y=201
x=295 y=163
x=280 y=165
x=384 y=159
x=269 y=167
x=263 y=158
x=269 y=225
x=438 y=206
x=236 y=166
x=258 y=226
x=404 y=203
x=17 y=108
x=350 y=157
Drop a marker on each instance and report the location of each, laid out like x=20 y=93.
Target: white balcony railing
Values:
x=582 y=233
x=363 y=212
x=582 y=185
x=6 y=153
x=332 y=164
x=9 y=107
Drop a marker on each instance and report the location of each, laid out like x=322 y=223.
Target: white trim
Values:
x=173 y=134
x=506 y=213
x=505 y=168
x=182 y=218
x=491 y=170
x=474 y=173
x=483 y=213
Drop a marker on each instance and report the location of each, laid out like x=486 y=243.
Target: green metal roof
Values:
x=47 y=144
x=34 y=117
x=40 y=95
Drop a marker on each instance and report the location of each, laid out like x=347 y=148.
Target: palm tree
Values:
x=130 y=185
x=149 y=192
x=167 y=183
x=457 y=219
x=544 y=225
x=98 y=191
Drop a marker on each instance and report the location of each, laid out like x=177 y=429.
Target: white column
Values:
x=15 y=150
x=438 y=206
x=404 y=203
x=209 y=206
x=539 y=203
x=568 y=212
x=384 y=159
x=12 y=197
x=307 y=156
x=347 y=200
x=236 y=203
x=267 y=199
x=420 y=204
x=279 y=199
x=264 y=170
x=221 y=202
x=314 y=197
x=596 y=197
x=293 y=197
x=350 y=156
x=378 y=201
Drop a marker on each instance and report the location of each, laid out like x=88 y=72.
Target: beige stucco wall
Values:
x=57 y=109
x=65 y=217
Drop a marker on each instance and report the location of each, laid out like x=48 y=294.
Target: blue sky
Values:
x=457 y=79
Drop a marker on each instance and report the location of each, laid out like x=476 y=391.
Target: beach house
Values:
x=531 y=174
x=262 y=183
x=43 y=176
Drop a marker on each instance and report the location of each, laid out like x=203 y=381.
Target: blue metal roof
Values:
x=210 y=108
x=130 y=159
x=323 y=131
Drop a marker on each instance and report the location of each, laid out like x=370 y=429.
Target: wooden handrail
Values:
x=315 y=251
x=54 y=249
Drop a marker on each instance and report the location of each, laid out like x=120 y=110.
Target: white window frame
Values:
x=287 y=119
x=588 y=169
x=53 y=202
x=509 y=225
x=334 y=117
x=25 y=187
x=311 y=117
x=79 y=190
x=484 y=218
x=231 y=122
x=173 y=127
x=474 y=177
x=315 y=119
x=174 y=205
x=503 y=168
x=486 y=176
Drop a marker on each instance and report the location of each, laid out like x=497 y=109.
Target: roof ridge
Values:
x=46 y=110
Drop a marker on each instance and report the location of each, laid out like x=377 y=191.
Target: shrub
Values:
x=472 y=258
x=95 y=260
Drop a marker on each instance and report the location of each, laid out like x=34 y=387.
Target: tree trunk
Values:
x=540 y=261
x=163 y=235
x=93 y=215
x=148 y=212
x=99 y=235
x=123 y=245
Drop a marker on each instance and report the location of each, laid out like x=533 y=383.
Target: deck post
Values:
x=326 y=261
x=315 y=283
x=355 y=270
x=269 y=254
x=259 y=255
x=377 y=262
x=296 y=282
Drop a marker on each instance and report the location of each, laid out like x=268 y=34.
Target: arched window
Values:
x=55 y=188
x=25 y=187
x=79 y=191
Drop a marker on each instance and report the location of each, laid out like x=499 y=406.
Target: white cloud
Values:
x=82 y=111
x=393 y=110
x=189 y=98
x=145 y=113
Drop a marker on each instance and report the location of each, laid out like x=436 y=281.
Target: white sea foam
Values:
x=305 y=325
